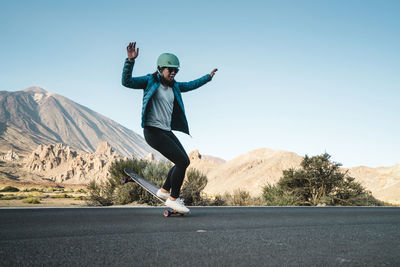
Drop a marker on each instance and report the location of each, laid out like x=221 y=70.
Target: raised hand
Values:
x=213 y=72
x=132 y=51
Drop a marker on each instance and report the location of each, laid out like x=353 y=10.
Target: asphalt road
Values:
x=262 y=236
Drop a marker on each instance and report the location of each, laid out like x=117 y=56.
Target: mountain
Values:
x=250 y=171
x=383 y=182
x=35 y=117
x=255 y=169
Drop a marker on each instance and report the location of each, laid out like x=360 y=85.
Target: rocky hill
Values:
x=255 y=169
x=35 y=117
x=383 y=182
x=250 y=171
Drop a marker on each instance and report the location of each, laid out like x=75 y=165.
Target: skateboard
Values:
x=151 y=188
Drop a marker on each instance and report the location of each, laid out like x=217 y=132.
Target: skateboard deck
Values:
x=151 y=188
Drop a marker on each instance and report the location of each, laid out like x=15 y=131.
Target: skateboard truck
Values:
x=168 y=213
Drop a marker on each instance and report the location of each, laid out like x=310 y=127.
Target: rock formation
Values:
x=10 y=156
x=60 y=163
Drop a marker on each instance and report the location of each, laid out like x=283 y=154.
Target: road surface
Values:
x=212 y=236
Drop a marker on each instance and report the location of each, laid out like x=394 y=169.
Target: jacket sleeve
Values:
x=188 y=86
x=132 y=82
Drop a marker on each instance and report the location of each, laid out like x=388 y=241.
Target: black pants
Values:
x=169 y=146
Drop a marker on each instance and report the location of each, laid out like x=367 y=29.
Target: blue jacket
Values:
x=150 y=86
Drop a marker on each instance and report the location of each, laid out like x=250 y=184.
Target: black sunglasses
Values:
x=172 y=69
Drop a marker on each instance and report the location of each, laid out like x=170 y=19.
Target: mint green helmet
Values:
x=168 y=60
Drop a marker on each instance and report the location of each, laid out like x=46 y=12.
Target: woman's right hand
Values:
x=132 y=51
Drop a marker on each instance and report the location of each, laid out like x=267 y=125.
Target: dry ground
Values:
x=50 y=194
x=31 y=185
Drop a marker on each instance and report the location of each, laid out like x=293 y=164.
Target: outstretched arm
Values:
x=127 y=79
x=188 y=86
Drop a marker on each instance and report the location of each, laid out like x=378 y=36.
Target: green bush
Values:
x=9 y=189
x=48 y=190
x=97 y=195
x=113 y=191
x=32 y=200
x=318 y=182
x=61 y=196
x=14 y=197
x=241 y=198
x=33 y=190
x=59 y=188
x=238 y=198
x=275 y=196
x=123 y=194
x=80 y=190
x=155 y=173
x=218 y=201
x=193 y=186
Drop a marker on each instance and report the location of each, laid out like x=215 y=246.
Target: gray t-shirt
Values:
x=160 y=108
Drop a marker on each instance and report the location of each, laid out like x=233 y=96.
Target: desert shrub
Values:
x=116 y=170
x=33 y=189
x=32 y=200
x=62 y=196
x=192 y=188
x=9 y=189
x=13 y=197
x=319 y=182
x=59 y=188
x=97 y=194
x=218 y=201
x=239 y=198
x=80 y=198
x=113 y=191
x=56 y=189
x=80 y=190
x=257 y=201
x=227 y=198
x=123 y=194
x=10 y=197
x=276 y=196
x=35 y=193
x=155 y=172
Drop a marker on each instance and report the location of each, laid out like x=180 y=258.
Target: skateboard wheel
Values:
x=167 y=213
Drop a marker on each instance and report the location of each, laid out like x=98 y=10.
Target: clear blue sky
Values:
x=301 y=76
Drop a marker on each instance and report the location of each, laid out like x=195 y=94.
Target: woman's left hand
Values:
x=213 y=72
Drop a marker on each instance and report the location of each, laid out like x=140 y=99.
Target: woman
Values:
x=162 y=112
